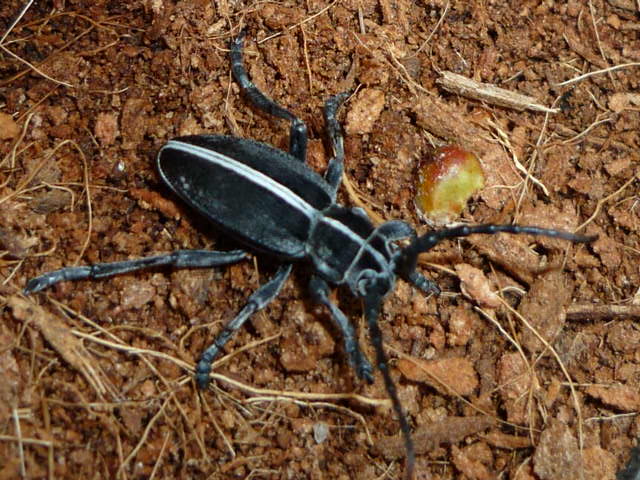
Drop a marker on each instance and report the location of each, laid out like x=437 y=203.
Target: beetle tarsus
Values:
x=177 y=259
x=320 y=291
x=298 y=130
x=257 y=301
x=423 y=284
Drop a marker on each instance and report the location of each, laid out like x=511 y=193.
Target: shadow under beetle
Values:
x=272 y=202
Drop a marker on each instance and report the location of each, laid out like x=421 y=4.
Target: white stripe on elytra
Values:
x=245 y=171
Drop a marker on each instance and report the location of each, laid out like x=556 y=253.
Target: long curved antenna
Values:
x=409 y=256
x=372 y=302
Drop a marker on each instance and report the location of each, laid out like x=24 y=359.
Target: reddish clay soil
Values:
x=526 y=367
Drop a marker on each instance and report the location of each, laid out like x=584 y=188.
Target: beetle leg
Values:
x=177 y=259
x=320 y=290
x=333 y=175
x=298 y=131
x=257 y=301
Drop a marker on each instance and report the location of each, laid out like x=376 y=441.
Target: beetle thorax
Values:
x=345 y=248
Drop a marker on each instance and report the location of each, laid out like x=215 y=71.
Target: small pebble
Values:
x=320 y=432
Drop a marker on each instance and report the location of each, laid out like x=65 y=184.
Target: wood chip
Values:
x=8 y=127
x=576 y=43
x=622 y=101
x=476 y=286
x=557 y=455
x=512 y=253
x=59 y=336
x=545 y=308
x=630 y=5
x=445 y=431
x=10 y=373
x=490 y=94
x=106 y=128
x=364 y=111
x=599 y=464
x=504 y=440
x=514 y=380
x=621 y=397
x=447 y=375
x=469 y=466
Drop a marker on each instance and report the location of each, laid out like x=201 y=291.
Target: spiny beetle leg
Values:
x=298 y=131
x=177 y=259
x=320 y=292
x=257 y=301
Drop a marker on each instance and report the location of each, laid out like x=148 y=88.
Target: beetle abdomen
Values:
x=251 y=204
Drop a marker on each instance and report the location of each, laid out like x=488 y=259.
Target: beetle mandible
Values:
x=293 y=217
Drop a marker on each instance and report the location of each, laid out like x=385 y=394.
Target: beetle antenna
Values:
x=409 y=256
x=372 y=303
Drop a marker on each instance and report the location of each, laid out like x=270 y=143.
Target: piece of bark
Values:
x=545 y=309
x=590 y=312
x=445 y=431
x=447 y=375
x=620 y=397
x=557 y=455
x=490 y=94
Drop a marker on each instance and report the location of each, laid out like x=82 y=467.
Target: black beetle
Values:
x=272 y=202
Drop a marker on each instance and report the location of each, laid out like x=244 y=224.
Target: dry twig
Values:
x=579 y=78
x=490 y=94
x=590 y=312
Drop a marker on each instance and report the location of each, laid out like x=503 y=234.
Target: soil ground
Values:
x=97 y=375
